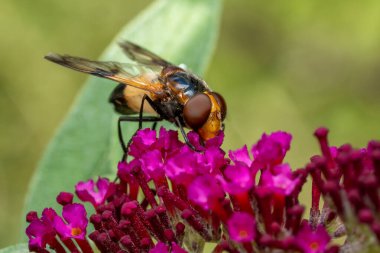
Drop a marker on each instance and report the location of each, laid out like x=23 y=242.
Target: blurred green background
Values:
x=289 y=65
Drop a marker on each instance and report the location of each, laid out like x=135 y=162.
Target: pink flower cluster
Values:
x=169 y=198
x=59 y=232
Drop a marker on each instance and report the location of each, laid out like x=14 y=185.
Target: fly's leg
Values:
x=154 y=126
x=132 y=119
x=184 y=135
x=139 y=119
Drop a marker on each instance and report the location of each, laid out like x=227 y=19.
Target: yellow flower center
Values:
x=314 y=245
x=76 y=231
x=243 y=234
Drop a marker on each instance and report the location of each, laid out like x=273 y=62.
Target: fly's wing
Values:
x=146 y=57
x=142 y=55
x=138 y=76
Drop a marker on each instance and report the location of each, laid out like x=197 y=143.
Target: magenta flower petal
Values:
x=48 y=215
x=205 y=191
x=238 y=179
x=214 y=160
x=76 y=222
x=86 y=191
x=160 y=247
x=283 y=138
x=152 y=163
x=271 y=149
x=39 y=233
x=183 y=166
x=168 y=140
x=62 y=228
x=215 y=142
x=312 y=241
x=333 y=151
x=142 y=141
x=281 y=183
x=195 y=140
x=283 y=169
x=241 y=227
x=124 y=169
x=240 y=155
x=75 y=214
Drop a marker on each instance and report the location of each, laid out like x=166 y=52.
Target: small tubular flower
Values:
x=87 y=192
x=271 y=149
x=280 y=182
x=74 y=222
x=205 y=191
x=238 y=179
x=241 y=227
x=41 y=231
x=312 y=241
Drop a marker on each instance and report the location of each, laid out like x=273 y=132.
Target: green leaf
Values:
x=86 y=144
x=19 y=248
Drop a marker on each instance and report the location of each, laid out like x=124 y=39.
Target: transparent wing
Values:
x=142 y=55
x=138 y=76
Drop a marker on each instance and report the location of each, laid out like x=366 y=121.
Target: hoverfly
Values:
x=172 y=93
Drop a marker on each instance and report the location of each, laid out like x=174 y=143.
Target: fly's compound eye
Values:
x=222 y=104
x=197 y=110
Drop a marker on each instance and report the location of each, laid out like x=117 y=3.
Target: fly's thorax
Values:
x=184 y=85
x=203 y=110
x=155 y=83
